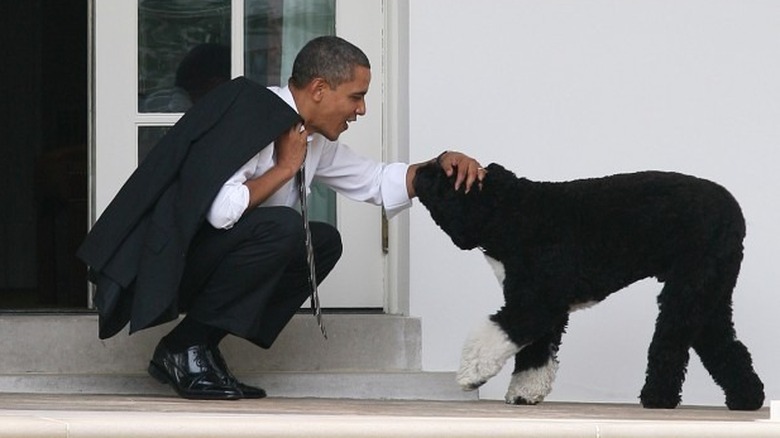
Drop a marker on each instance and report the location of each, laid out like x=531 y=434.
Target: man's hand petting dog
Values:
x=463 y=170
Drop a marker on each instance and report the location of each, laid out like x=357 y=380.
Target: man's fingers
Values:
x=472 y=176
x=475 y=174
x=462 y=169
x=466 y=170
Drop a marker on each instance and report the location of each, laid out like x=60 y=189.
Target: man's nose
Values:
x=361 y=109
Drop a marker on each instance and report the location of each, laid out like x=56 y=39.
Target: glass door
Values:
x=154 y=58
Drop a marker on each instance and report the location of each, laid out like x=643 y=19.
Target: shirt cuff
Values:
x=229 y=205
x=395 y=196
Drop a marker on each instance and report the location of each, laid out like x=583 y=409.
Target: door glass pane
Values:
x=148 y=136
x=275 y=30
x=183 y=51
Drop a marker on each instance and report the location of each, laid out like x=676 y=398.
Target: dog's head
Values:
x=461 y=215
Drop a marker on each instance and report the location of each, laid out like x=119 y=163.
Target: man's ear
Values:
x=317 y=89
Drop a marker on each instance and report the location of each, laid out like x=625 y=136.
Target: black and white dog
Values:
x=556 y=247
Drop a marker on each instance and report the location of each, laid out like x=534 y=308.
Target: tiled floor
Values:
x=29 y=415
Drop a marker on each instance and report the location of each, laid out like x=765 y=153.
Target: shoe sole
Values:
x=162 y=376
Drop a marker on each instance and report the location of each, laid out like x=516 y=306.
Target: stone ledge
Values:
x=351 y=385
x=122 y=416
x=68 y=344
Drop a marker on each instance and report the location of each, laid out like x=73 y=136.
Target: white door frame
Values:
x=395 y=115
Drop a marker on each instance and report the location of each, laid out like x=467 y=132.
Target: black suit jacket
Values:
x=137 y=249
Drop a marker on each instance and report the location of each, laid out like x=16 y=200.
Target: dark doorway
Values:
x=43 y=142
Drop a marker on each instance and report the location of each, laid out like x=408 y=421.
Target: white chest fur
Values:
x=498 y=269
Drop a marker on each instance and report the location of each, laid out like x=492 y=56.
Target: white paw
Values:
x=531 y=386
x=484 y=354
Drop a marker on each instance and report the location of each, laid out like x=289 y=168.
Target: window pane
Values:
x=275 y=30
x=148 y=136
x=183 y=51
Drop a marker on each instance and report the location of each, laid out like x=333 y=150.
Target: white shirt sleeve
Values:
x=233 y=198
x=337 y=166
x=362 y=179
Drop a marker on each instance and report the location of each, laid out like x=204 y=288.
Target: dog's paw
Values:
x=520 y=401
x=531 y=386
x=659 y=398
x=484 y=354
x=467 y=385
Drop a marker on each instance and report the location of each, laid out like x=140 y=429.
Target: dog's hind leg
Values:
x=679 y=318
x=535 y=369
x=686 y=304
x=728 y=361
x=725 y=358
x=484 y=354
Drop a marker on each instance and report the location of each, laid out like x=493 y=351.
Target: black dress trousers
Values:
x=252 y=278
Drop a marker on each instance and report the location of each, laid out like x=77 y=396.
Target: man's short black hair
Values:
x=328 y=57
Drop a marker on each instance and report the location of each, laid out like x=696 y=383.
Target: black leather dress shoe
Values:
x=193 y=373
x=247 y=390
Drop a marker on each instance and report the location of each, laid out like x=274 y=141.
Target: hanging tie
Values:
x=315 y=296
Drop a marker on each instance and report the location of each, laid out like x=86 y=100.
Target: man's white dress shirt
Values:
x=331 y=163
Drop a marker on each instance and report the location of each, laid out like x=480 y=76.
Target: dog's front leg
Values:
x=484 y=354
x=535 y=368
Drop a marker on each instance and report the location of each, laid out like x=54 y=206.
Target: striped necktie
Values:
x=315 y=296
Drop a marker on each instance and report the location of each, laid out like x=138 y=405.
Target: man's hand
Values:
x=290 y=149
x=467 y=170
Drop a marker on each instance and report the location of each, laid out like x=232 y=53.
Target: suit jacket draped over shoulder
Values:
x=137 y=248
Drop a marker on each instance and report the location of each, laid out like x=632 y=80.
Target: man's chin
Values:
x=333 y=136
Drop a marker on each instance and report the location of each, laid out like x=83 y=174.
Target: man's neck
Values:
x=299 y=97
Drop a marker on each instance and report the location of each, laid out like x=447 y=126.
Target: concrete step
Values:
x=352 y=385
x=68 y=344
x=366 y=356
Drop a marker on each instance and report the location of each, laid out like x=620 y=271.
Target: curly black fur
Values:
x=568 y=243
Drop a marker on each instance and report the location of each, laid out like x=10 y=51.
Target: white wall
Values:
x=557 y=90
